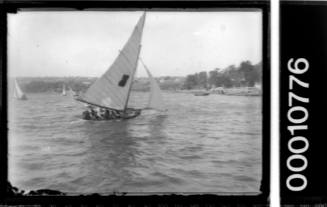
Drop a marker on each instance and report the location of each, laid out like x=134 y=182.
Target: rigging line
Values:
x=133 y=76
x=141 y=60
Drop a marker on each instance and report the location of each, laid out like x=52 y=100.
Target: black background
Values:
x=304 y=35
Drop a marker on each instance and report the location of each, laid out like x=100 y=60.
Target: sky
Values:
x=85 y=43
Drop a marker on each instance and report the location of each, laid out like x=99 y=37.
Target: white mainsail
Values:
x=18 y=93
x=112 y=89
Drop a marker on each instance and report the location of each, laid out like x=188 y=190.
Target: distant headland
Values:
x=246 y=75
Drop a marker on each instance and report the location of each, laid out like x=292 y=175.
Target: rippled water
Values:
x=201 y=144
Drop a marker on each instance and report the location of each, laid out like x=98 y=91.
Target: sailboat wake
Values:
x=151 y=111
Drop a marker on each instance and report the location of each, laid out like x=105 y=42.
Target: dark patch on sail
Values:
x=123 y=80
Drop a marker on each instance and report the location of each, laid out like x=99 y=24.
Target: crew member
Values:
x=86 y=115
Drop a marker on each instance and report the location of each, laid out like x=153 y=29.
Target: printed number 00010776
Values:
x=297 y=117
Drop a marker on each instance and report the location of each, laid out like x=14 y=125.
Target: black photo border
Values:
x=6 y=193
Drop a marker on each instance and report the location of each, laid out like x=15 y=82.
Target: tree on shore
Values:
x=190 y=82
x=245 y=74
x=249 y=73
x=202 y=79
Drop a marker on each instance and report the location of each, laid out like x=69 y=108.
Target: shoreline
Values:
x=237 y=91
x=240 y=91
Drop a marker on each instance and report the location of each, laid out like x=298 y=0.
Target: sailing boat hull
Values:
x=127 y=114
x=201 y=93
x=131 y=113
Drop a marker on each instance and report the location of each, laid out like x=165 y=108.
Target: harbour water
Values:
x=200 y=144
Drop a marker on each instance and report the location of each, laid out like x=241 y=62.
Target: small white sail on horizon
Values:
x=18 y=93
x=112 y=89
x=64 y=90
x=71 y=92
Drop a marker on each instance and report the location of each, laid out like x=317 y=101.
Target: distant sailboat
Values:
x=72 y=92
x=18 y=93
x=64 y=93
x=201 y=93
x=112 y=90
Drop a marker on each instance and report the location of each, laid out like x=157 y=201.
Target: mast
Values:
x=136 y=64
x=132 y=79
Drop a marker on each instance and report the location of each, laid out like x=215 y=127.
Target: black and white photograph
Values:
x=136 y=101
